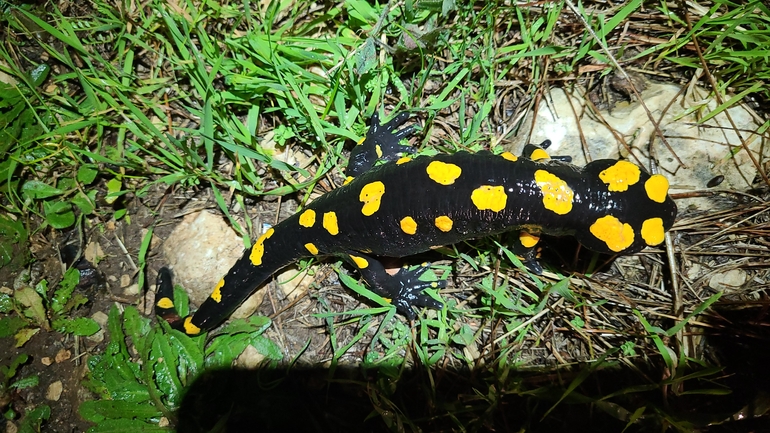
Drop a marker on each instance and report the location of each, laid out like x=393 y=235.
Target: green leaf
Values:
x=137 y=327
x=10 y=371
x=464 y=337
x=266 y=346
x=181 y=301
x=133 y=392
x=113 y=190
x=355 y=286
x=67 y=285
x=33 y=305
x=164 y=362
x=224 y=349
x=82 y=326
x=39 y=74
x=27 y=382
x=13 y=237
x=11 y=325
x=366 y=57
x=85 y=202
x=126 y=425
x=34 y=419
x=35 y=190
x=254 y=324
x=87 y=174
x=190 y=354
x=25 y=335
x=562 y=288
x=99 y=410
x=362 y=11
x=6 y=303
x=59 y=214
x=706 y=304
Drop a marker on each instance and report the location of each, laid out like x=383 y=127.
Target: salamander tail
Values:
x=164 y=300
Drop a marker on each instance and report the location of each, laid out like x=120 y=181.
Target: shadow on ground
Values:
x=485 y=400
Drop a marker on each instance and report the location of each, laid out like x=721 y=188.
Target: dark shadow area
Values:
x=358 y=400
x=740 y=341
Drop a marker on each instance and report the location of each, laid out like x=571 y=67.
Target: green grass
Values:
x=167 y=95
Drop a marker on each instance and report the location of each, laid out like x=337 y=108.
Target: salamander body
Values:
x=412 y=204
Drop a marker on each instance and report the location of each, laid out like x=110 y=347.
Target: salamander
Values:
x=410 y=204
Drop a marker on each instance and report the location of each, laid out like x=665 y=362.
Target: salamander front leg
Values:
x=404 y=289
x=382 y=142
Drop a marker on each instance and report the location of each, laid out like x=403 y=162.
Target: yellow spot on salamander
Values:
x=443 y=173
x=539 y=154
x=408 y=225
x=444 y=223
x=657 y=188
x=557 y=195
x=361 y=262
x=216 y=295
x=307 y=218
x=361 y=141
x=258 y=250
x=653 y=232
x=330 y=223
x=488 y=197
x=378 y=149
x=620 y=176
x=165 y=303
x=371 y=196
x=509 y=156
x=189 y=328
x=312 y=248
x=348 y=180
x=528 y=240
x=403 y=160
x=617 y=235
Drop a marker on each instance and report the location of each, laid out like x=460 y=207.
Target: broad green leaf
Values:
x=113 y=190
x=63 y=293
x=24 y=335
x=562 y=288
x=59 y=214
x=87 y=174
x=35 y=190
x=127 y=425
x=33 y=305
x=27 y=382
x=13 y=236
x=85 y=203
x=9 y=325
x=99 y=410
x=82 y=326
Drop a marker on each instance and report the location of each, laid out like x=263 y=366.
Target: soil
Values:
x=60 y=359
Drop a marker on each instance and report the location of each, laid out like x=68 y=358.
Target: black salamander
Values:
x=411 y=204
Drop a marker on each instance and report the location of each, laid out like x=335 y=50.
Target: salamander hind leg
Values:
x=404 y=289
x=537 y=152
x=525 y=247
